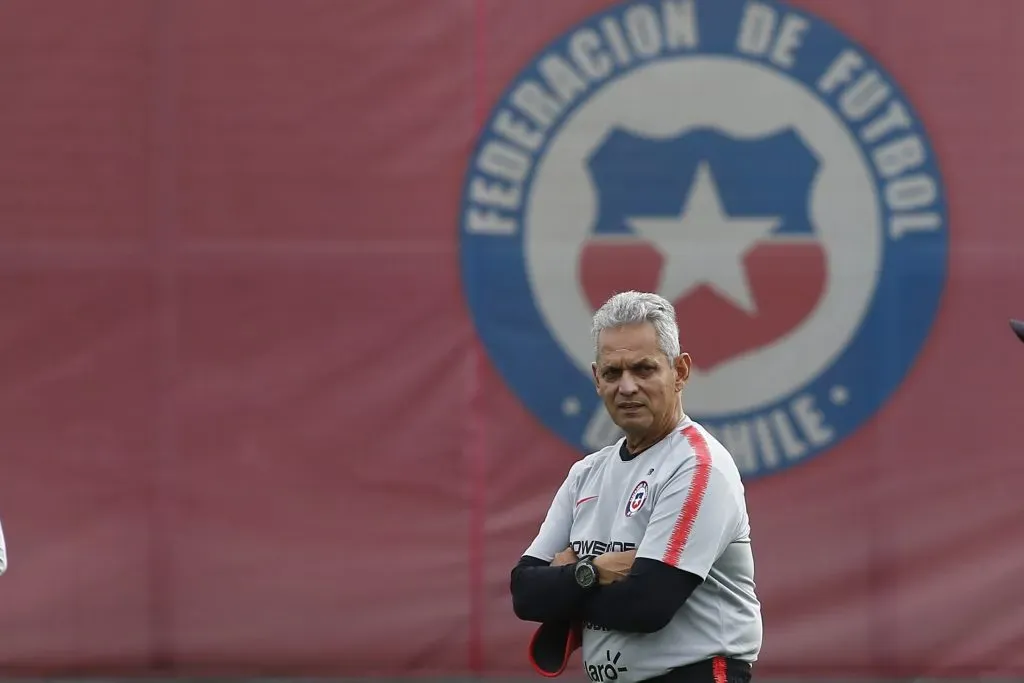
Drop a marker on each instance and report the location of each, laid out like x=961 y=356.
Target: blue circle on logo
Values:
x=498 y=188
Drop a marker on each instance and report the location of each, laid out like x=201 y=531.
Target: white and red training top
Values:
x=681 y=502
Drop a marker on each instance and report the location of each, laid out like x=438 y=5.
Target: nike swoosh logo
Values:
x=581 y=501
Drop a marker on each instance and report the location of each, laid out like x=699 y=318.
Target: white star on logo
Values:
x=704 y=245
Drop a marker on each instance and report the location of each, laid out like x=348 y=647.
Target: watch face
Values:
x=585 y=575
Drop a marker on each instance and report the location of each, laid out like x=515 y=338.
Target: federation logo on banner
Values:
x=743 y=159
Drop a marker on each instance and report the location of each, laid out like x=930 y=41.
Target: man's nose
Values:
x=627 y=386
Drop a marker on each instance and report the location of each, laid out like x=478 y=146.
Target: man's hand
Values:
x=567 y=556
x=612 y=567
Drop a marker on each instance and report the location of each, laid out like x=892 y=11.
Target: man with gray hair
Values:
x=644 y=558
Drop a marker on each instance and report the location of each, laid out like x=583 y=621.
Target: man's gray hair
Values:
x=630 y=308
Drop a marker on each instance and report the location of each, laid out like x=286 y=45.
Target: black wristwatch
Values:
x=585 y=573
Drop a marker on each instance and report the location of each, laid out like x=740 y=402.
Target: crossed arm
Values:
x=691 y=523
x=639 y=596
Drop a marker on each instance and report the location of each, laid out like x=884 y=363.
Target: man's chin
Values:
x=631 y=421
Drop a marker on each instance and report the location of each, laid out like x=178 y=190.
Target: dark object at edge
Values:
x=1018 y=328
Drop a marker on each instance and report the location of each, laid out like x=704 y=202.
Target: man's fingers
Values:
x=567 y=556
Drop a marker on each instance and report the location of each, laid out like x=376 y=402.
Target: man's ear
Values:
x=593 y=369
x=682 y=368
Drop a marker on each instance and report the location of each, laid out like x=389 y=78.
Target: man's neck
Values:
x=636 y=443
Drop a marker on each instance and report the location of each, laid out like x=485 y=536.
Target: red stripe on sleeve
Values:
x=691 y=506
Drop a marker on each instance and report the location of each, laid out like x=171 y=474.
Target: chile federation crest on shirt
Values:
x=743 y=159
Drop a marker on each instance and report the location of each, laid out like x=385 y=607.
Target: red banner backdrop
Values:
x=248 y=422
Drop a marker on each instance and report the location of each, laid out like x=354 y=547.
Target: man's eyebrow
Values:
x=618 y=364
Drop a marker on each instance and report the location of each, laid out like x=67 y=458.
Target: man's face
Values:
x=639 y=385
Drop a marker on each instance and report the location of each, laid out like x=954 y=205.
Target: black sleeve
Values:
x=643 y=602
x=542 y=593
